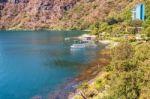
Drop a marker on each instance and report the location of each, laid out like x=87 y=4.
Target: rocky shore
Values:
x=92 y=71
x=96 y=67
x=69 y=90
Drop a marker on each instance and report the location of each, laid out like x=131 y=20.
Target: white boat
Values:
x=78 y=46
x=67 y=39
x=83 y=45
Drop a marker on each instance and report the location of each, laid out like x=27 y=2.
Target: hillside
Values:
x=59 y=14
x=85 y=13
x=31 y=14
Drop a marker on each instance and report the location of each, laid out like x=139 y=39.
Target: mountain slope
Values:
x=32 y=13
x=58 y=14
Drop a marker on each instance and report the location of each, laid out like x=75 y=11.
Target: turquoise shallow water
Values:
x=37 y=62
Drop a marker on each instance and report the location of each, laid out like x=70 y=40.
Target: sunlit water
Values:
x=36 y=63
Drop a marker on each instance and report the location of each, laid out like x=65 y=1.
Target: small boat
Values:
x=83 y=44
x=67 y=39
x=77 y=46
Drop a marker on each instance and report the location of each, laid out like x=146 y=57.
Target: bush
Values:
x=147 y=31
x=126 y=65
x=136 y=23
x=125 y=87
x=122 y=52
x=99 y=84
x=112 y=21
x=84 y=86
x=142 y=52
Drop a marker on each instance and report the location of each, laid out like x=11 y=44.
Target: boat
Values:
x=77 y=46
x=67 y=39
x=83 y=45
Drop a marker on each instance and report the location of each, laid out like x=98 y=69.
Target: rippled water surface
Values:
x=36 y=63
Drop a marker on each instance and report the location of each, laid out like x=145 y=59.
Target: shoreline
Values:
x=94 y=70
x=45 y=29
x=104 y=58
x=67 y=91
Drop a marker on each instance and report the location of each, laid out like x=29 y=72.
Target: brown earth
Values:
x=57 y=14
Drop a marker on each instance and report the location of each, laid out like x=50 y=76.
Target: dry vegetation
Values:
x=60 y=14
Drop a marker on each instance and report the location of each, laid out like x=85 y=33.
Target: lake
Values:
x=38 y=62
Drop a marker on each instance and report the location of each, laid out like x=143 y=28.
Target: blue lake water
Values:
x=37 y=62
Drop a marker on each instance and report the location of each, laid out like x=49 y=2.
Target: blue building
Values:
x=138 y=12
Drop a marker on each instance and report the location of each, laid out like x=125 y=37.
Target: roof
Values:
x=88 y=35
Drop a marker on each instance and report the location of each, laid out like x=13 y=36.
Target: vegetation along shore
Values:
x=125 y=77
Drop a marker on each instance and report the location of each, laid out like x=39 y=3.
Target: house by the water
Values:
x=138 y=12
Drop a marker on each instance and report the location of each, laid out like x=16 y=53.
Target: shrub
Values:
x=147 y=31
x=125 y=87
x=112 y=21
x=122 y=52
x=84 y=86
x=126 y=65
x=136 y=23
x=142 y=52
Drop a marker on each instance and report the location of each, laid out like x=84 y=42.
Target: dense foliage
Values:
x=127 y=76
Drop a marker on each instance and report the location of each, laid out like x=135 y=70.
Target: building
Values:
x=138 y=12
x=87 y=37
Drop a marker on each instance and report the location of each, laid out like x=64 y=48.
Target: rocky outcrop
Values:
x=32 y=14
